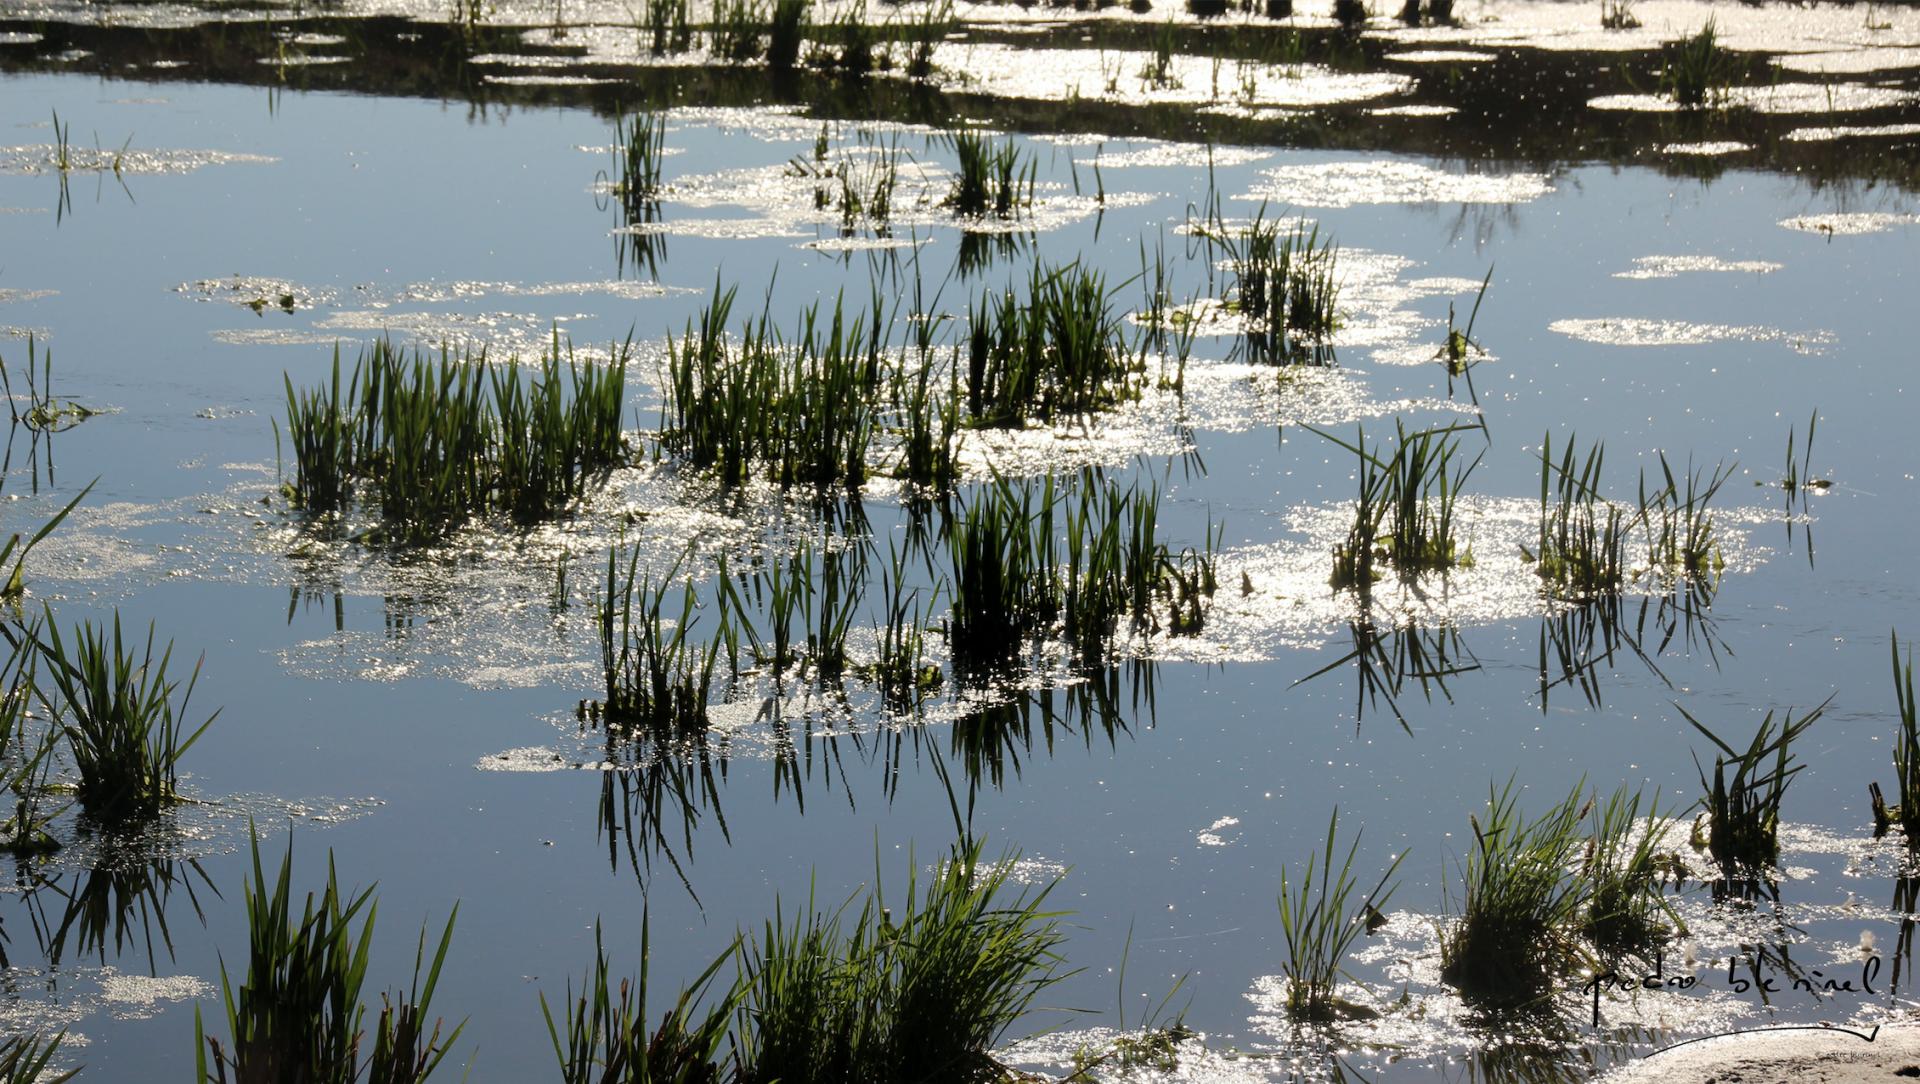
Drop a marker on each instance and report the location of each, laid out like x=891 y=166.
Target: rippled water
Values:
x=1700 y=316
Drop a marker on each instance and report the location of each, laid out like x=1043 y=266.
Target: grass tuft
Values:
x=608 y=1039
x=1058 y=352
x=993 y=177
x=126 y=722
x=1320 y=920
x=1698 y=69
x=921 y=991
x=1404 y=512
x=1740 y=809
x=1582 y=545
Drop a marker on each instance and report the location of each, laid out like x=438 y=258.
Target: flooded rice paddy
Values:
x=1532 y=242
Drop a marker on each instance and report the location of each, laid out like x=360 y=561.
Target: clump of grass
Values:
x=1321 y=920
x=1799 y=479
x=1156 y=73
x=298 y=1015
x=858 y=41
x=439 y=440
x=666 y=26
x=924 y=34
x=1740 y=809
x=929 y=421
x=921 y=991
x=126 y=722
x=797 y=413
x=1029 y=561
x=1520 y=906
x=608 y=1037
x=785 y=32
x=1618 y=15
x=1626 y=872
x=900 y=667
x=1003 y=551
x=1583 y=536
x=1698 y=69
x=638 y=146
x=1057 y=352
x=24 y=1058
x=1906 y=756
x=734 y=35
x=1284 y=285
x=1404 y=510
x=658 y=680
x=993 y=177
x=1678 y=524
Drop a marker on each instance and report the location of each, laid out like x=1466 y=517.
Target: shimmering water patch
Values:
x=1667 y=267
x=1347 y=184
x=1638 y=331
x=1850 y=223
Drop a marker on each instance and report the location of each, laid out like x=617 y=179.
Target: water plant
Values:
x=298 y=1014
x=734 y=35
x=1906 y=757
x=1678 y=524
x=1058 y=351
x=1618 y=15
x=638 y=146
x=45 y=413
x=608 y=1037
x=1002 y=550
x=1405 y=507
x=24 y=1058
x=657 y=679
x=993 y=177
x=799 y=412
x=1156 y=73
x=1739 y=822
x=1321 y=919
x=1520 y=905
x=26 y=756
x=666 y=26
x=1583 y=537
x=1799 y=480
x=441 y=439
x=922 y=990
x=1698 y=69
x=1626 y=871
x=924 y=34
x=785 y=31
x=125 y=721
x=1284 y=284
x=900 y=667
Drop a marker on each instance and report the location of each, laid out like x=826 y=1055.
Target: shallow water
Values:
x=416 y=716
